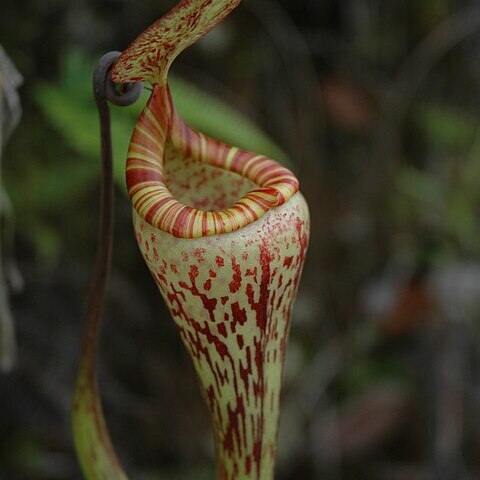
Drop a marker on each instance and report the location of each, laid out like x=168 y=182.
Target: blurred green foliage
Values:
x=444 y=125
x=442 y=195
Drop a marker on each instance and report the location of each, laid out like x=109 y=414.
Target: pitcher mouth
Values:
x=160 y=126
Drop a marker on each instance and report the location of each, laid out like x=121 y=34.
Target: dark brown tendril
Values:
x=104 y=91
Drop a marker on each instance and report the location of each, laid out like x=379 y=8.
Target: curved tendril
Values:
x=92 y=441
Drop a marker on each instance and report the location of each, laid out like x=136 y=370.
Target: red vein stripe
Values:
x=151 y=198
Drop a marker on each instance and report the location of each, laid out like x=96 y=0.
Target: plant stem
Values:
x=92 y=441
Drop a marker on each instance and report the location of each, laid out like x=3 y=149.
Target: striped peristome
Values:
x=224 y=233
x=159 y=125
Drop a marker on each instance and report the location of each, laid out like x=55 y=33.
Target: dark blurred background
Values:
x=375 y=105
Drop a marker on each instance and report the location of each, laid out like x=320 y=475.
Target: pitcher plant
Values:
x=224 y=233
